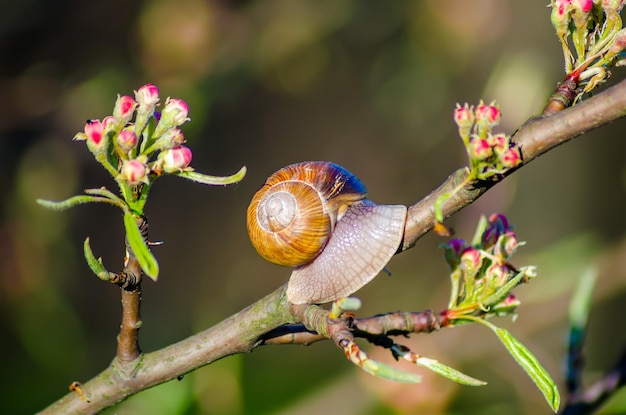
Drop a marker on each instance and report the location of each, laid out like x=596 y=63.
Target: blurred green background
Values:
x=369 y=85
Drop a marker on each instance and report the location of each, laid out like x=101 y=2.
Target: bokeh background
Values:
x=369 y=85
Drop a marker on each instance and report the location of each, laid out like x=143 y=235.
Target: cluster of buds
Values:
x=482 y=277
x=137 y=143
x=595 y=29
x=488 y=153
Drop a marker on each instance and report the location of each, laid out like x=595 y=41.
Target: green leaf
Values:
x=481 y=227
x=344 y=304
x=384 y=371
x=581 y=301
x=503 y=291
x=531 y=366
x=73 y=201
x=448 y=372
x=213 y=180
x=144 y=256
x=95 y=265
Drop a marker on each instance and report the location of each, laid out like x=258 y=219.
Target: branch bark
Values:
x=242 y=331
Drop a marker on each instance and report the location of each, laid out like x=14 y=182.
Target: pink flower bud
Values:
x=506 y=306
x=147 y=96
x=176 y=111
x=479 y=149
x=108 y=123
x=498 y=275
x=511 y=158
x=175 y=159
x=124 y=109
x=619 y=43
x=464 y=116
x=506 y=245
x=498 y=142
x=613 y=5
x=93 y=130
x=582 y=6
x=487 y=114
x=126 y=140
x=561 y=16
x=471 y=260
x=135 y=172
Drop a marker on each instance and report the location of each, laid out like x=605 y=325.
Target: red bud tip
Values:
x=511 y=158
x=127 y=140
x=124 y=108
x=488 y=114
x=93 y=130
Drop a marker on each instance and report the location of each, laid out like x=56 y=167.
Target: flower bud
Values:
x=108 y=123
x=174 y=114
x=175 y=110
x=479 y=149
x=124 y=109
x=453 y=250
x=619 y=43
x=175 y=159
x=147 y=97
x=511 y=158
x=612 y=5
x=506 y=306
x=498 y=275
x=135 y=172
x=97 y=141
x=126 y=140
x=561 y=16
x=487 y=114
x=471 y=261
x=498 y=224
x=170 y=139
x=93 y=130
x=506 y=245
x=498 y=142
x=464 y=119
x=582 y=6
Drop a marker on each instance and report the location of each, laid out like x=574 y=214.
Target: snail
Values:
x=315 y=216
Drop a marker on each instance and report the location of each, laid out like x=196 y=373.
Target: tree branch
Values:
x=242 y=331
x=536 y=137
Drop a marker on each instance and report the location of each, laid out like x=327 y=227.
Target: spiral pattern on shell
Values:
x=291 y=217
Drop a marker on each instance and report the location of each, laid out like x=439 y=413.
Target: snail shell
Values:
x=314 y=216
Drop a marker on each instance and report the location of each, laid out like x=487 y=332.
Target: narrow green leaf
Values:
x=503 y=291
x=213 y=180
x=96 y=265
x=531 y=366
x=448 y=372
x=384 y=371
x=104 y=192
x=477 y=239
x=144 y=256
x=73 y=201
x=438 y=206
x=581 y=301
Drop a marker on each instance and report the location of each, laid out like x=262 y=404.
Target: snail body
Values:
x=315 y=216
